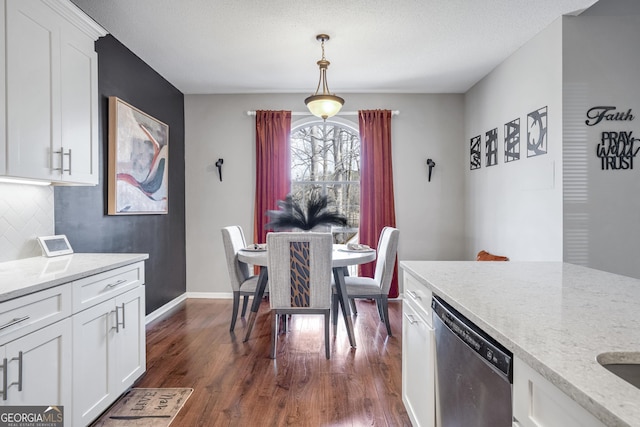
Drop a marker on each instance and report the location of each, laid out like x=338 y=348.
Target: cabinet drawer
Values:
x=418 y=294
x=101 y=287
x=26 y=314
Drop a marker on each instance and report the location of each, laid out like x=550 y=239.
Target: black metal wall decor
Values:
x=219 y=166
x=616 y=149
x=512 y=141
x=474 y=153
x=491 y=146
x=537 y=132
x=430 y=164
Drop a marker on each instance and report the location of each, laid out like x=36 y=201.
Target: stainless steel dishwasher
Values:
x=473 y=373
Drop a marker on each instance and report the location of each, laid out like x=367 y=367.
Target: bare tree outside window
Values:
x=325 y=157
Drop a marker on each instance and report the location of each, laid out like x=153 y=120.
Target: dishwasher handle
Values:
x=486 y=347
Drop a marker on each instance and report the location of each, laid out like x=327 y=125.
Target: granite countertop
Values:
x=28 y=275
x=556 y=317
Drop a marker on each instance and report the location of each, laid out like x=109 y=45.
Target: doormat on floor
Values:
x=145 y=407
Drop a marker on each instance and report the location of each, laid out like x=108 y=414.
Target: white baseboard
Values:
x=164 y=309
x=202 y=295
x=210 y=295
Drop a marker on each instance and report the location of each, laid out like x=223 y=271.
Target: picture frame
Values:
x=55 y=245
x=138 y=161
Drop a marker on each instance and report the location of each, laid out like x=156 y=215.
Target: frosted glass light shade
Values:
x=324 y=106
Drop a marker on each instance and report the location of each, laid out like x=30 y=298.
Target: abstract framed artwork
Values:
x=474 y=153
x=512 y=141
x=491 y=147
x=537 y=132
x=138 y=161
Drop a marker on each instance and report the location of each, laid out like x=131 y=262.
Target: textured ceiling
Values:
x=257 y=46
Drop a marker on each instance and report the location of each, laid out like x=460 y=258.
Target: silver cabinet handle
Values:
x=411 y=318
x=123 y=325
x=117 y=321
x=69 y=169
x=119 y=282
x=13 y=322
x=61 y=153
x=414 y=295
x=4 y=379
x=19 y=359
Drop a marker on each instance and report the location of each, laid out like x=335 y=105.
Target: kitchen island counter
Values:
x=556 y=317
x=25 y=276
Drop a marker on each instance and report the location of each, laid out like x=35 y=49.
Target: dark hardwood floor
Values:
x=237 y=384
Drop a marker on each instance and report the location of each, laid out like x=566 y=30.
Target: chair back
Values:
x=233 y=239
x=299 y=266
x=386 y=257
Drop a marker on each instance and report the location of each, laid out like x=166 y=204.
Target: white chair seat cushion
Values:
x=250 y=284
x=360 y=286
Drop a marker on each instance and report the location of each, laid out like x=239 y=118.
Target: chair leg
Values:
x=352 y=303
x=334 y=308
x=245 y=303
x=379 y=307
x=274 y=333
x=327 y=349
x=234 y=311
x=385 y=312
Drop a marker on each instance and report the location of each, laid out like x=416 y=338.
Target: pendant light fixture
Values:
x=323 y=104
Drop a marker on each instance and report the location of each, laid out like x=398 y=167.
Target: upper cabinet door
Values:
x=33 y=91
x=51 y=92
x=79 y=107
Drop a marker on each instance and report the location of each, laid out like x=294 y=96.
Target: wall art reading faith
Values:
x=512 y=141
x=491 y=146
x=138 y=156
x=474 y=153
x=537 y=132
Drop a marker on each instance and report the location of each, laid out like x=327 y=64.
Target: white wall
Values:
x=602 y=207
x=26 y=211
x=429 y=214
x=515 y=208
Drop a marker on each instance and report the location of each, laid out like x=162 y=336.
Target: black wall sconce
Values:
x=431 y=164
x=219 y=166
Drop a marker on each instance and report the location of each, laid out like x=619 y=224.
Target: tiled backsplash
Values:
x=26 y=211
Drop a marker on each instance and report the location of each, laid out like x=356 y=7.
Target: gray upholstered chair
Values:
x=299 y=267
x=242 y=282
x=376 y=288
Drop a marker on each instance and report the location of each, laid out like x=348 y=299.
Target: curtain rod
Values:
x=306 y=113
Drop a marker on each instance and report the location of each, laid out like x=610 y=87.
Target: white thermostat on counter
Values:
x=55 y=245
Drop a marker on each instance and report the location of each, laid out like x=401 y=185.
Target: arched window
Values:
x=325 y=157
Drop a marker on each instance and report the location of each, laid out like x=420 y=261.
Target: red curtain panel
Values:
x=377 y=208
x=273 y=168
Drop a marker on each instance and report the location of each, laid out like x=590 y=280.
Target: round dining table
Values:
x=341 y=258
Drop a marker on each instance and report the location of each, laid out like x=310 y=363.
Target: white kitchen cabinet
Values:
x=418 y=354
x=538 y=403
x=35 y=348
x=38 y=366
x=109 y=351
x=51 y=96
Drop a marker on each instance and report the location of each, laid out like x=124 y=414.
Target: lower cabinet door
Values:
x=539 y=403
x=418 y=369
x=130 y=340
x=93 y=332
x=109 y=353
x=39 y=368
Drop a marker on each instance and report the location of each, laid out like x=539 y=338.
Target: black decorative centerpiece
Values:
x=291 y=215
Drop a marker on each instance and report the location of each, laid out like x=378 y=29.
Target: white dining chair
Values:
x=299 y=267
x=242 y=282
x=376 y=288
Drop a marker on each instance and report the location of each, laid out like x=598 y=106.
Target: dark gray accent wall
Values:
x=81 y=212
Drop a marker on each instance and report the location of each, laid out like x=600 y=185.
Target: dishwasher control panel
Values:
x=485 y=346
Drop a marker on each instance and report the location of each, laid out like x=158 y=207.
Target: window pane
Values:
x=325 y=157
